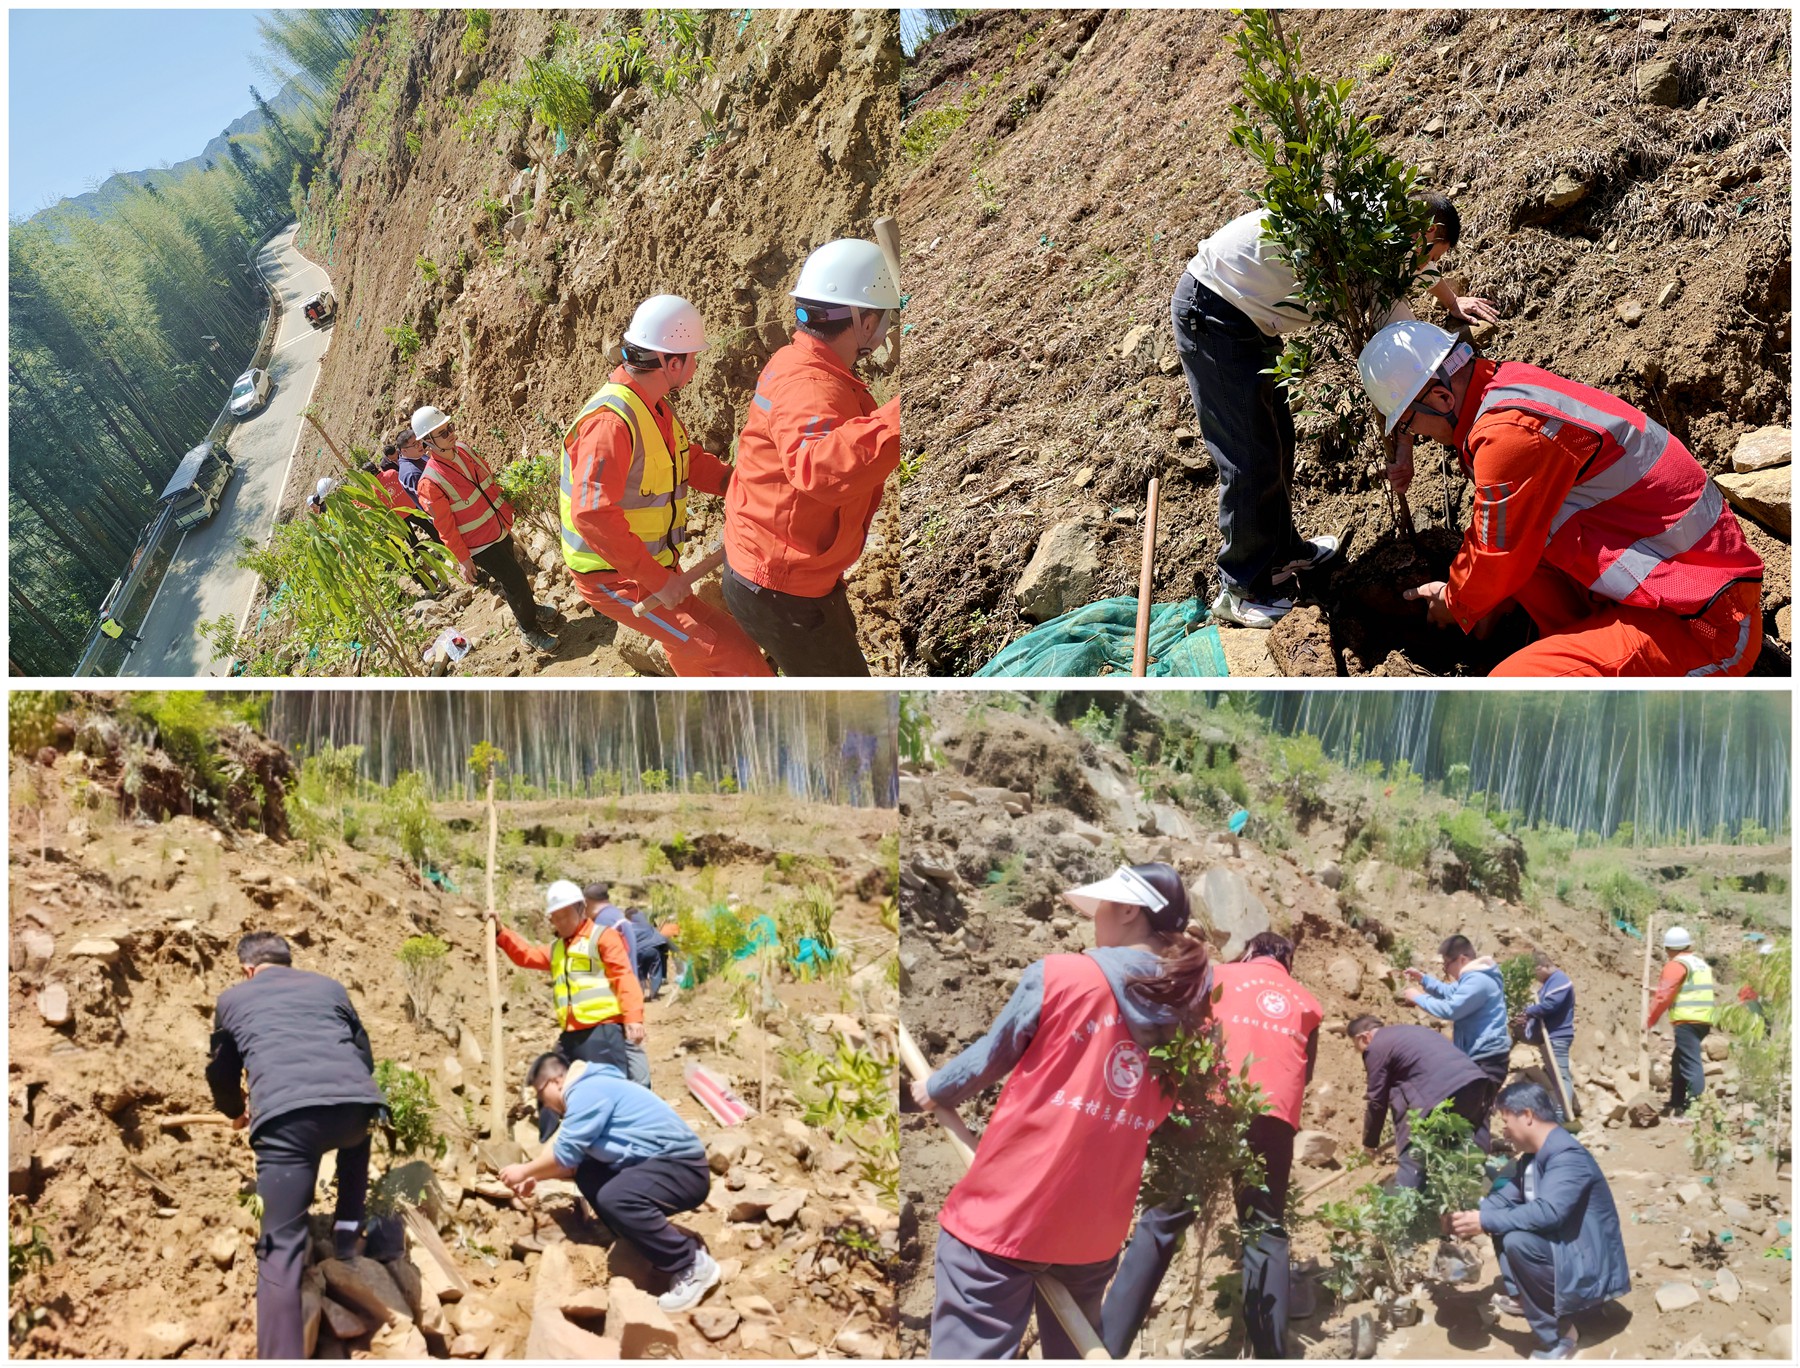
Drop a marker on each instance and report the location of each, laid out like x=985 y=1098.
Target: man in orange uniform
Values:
x=1589 y=515
x=598 y=1002
x=474 y=520
x=812 y=461
x=626 y=471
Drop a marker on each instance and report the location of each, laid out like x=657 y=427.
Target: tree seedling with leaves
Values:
x=422 y=965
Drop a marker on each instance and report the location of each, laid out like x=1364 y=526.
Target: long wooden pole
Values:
x=1140 y=647
x=1055 y=1295
x=1644 y=1006
x=887 y=237
x=497 y=1071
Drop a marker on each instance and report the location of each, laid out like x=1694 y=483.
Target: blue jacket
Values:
x=1554 y=1009
x=1476 y=1005
x=1574 y=1211
x=620 y=1123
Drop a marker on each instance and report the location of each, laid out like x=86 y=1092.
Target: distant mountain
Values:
x=99 y=202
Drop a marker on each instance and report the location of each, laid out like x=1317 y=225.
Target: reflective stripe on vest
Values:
x=1694 y=1003
x=1056 y=1176
x=1624 y=529
x=474 y=500
x=656 y=487
x=584 y=994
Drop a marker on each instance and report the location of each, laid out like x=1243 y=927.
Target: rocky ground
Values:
x=1017 y=806
x=539 y=257
x=1623 y=181
x=122 y=936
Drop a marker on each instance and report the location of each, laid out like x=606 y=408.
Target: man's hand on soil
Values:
x=1465 y=1225
x=1474 y=309
x=516 y=1178
x=921 y=1097
x=1437 y=612
x=634 y=1032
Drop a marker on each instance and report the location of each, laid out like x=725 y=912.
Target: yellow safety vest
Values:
x=112 y=629
x=584 y=994
x=656 y=486
x=1694 y=1002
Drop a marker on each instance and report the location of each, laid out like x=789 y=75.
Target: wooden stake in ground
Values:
x=1140 y=648
x=342 y=460
x=887 y=237
x=1644 y=1007
x=497 y=1074
x=1061 y=1304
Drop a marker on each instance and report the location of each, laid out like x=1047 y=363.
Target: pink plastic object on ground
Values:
x=715 y=1094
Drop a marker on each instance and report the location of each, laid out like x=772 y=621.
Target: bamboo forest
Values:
x=819 y=747
x=127 y=328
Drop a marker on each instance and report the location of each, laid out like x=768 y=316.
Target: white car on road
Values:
x=250 y=393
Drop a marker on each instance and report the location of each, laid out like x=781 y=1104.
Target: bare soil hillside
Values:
x=123 y=934
x=540 y=256
x=1064 y=164
x=1017 y=807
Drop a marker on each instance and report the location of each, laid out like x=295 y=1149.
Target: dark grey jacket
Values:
x=299 y=1039
x=1411 y=1068
x=1574 y=1211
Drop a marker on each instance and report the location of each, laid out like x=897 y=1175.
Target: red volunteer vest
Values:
x=1266 y=1018
x=480 y=511
x=1056 y=1175
x=1643 y=525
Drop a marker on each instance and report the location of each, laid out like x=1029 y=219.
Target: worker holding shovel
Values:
x=1055 y=1180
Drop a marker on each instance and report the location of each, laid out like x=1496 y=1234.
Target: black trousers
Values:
x=502 y=562
x=1266 y=1272
x=803 y=636
x=1249 y=433
x=1472 y=1102
x=602 y=1044
x=288 y=1150
x=637 y=1200
x=1496 y=1067
x=1687 y=1078
x=653 y=969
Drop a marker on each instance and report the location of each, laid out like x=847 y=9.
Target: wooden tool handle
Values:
x=691 y=576
x=1140 y=648
x=914 y=1059
x=194 y=1119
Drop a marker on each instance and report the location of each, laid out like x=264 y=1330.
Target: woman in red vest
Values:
x=1055 y=1179
x=1270 y=1023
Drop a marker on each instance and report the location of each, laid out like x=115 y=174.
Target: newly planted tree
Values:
x=423 y=960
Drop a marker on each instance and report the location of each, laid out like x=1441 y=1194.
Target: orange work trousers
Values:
x=702 y=641
x=1579 y=638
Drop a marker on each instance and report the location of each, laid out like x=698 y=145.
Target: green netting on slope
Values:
x=1097 y=639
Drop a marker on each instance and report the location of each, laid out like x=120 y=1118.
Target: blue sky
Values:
x=97 y=91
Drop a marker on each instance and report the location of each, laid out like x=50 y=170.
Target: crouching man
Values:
x=634 y=1159
x=1556 y=1231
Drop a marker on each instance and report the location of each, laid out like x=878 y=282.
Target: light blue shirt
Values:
x=619 y=1123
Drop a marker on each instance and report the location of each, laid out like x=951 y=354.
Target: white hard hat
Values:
x=1399 y=361
x=428 y=420
x=848 y=271
x=324 y=487
x=667 y=324
x=562 y=893
x=1676 y=938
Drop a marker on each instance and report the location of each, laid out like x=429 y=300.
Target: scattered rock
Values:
x=1726 y=1287
x=1735 y=1211
x=451 y=1071
x=342 y=1321
x=1315 y=1148
x=1139 y=348
x=1630 y=312
x=36 y=948
x=1654 y=28
x=1345 y=975
x=18 y=1155
x=1644 y=1111
x=106 y=951
x=223 y=1250
x=1063 y=573
x=399 y=1340
x=859 y=1344
x=1676 y=1296
x=638 y=1324
x=716 y=1322
x=1689 y=1193
x=367 y=1288
x=166 y=1339
x=1716 y=1046
x=1759 y=450
x=1666 y=296
x=1696 y=1348
x=1762 y=494
x=1564 y=191
x=788 y=1207
x=1658 y=83
x=1330 y=874
x=1233 y=911
x=753 y=1204
x=53 y=1005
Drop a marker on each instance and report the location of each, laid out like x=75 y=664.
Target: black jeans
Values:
x=803 y=636
x=502 y=562
x=288 y=1150
x=652 y=969
x=1249 y=432
x=1266 y=1271
x=602 y=1044
x=637 y=1200
x=1496 y=1067
x=1687 y=1078
x=1472 y=1102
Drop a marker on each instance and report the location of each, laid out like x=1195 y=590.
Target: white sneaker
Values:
x=1323 y=549
x=1228 y=607
x=702 y=1276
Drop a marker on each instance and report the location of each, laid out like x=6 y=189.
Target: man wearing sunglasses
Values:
x=1588 y=514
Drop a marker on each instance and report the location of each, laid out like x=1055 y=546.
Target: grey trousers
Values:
x=1528 y=1268
x=637 y=1064
x=985 y=1302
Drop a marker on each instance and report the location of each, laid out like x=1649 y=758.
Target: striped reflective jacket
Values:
x=584 y=994
x=459 y=490
x=1695 y=1000
x=656 y=486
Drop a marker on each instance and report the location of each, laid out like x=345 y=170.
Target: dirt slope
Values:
x=1050 y=228
x=153 y=1251
x=979 y=901
x=516 y=336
